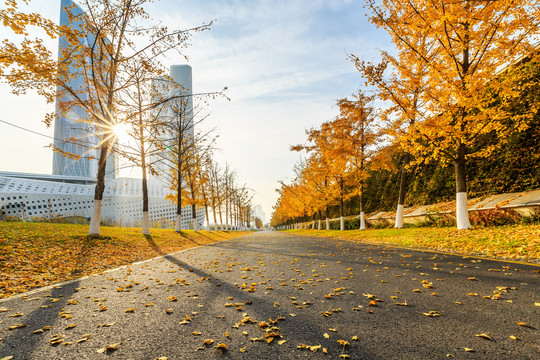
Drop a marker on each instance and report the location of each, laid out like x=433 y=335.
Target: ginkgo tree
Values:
x=469 y=42
x=357 y=128
x=399 y=85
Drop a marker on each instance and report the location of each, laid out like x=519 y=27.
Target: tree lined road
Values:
x=275 y=295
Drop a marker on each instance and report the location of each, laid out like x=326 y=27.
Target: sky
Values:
x=284 y=64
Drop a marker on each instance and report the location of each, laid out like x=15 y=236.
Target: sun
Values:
x=121 y=131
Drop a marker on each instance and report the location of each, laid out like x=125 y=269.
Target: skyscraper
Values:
x=178 y=112
x=72 y=132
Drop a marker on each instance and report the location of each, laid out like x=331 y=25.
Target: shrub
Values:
x=494 y=217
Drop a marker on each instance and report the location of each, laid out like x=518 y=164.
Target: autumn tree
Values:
x=356 y=125
x=399 y=85
x=38 y=64
x=469 y=42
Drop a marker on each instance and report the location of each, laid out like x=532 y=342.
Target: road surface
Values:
x=273 y=295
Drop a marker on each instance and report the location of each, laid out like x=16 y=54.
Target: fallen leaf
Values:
x=221 y=346
x=468 y=349
x=196 y=333
x=484 y=336
x=343 y=342
x=514 y=338
x=326 y=336
x=281 y=342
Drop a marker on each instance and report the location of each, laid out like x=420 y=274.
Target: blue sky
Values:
x=284 y=63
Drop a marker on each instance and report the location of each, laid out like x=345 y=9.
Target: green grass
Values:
x=39 y=254
x=513 y=242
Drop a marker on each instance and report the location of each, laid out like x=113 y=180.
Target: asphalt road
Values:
x=278 y=296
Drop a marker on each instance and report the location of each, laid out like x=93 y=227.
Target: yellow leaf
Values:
x=326 y=336
x=344 y=356
x=355 y=338
x=221 y=346
x=468 y=349
x=243 y=349
x=484 y=336
x=130 y=310
x=281 y=342
x=343 y=342
x=208 y=341
x=196 y=333
x=514 y=338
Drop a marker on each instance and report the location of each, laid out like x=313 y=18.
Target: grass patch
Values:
x=38 y=254
x=514 y=242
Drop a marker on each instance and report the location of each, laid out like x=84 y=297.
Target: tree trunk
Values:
x=362 y=219
x=402 y=192
x=179 y=185
x=100 y=188
x=341 y=206
x=194 y=216
x=146 y=222
x=462 y=212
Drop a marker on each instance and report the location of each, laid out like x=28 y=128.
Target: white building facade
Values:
x=47 y=197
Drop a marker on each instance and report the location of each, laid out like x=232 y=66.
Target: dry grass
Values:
x=514 y=242
x=39 y=254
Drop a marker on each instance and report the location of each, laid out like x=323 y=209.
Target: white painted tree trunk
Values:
x=399 y=217
x=145 y=223
x=327 y=224
x=319 y=227
x=462 y=212
x=178 y=223
x=341 y=223
x=362 y=221
x=96 y=218
x=195 y=225
x=215 y=227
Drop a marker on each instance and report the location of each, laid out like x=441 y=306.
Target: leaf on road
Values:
x=484 y=336
x=130 y=310
x=468 y=349
x=343 y=343
x=524 y=324
x=16 y=326
x=326 y=336
x=514 y=338
x=281 y=342
x=432 y=314
x=221 y=346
